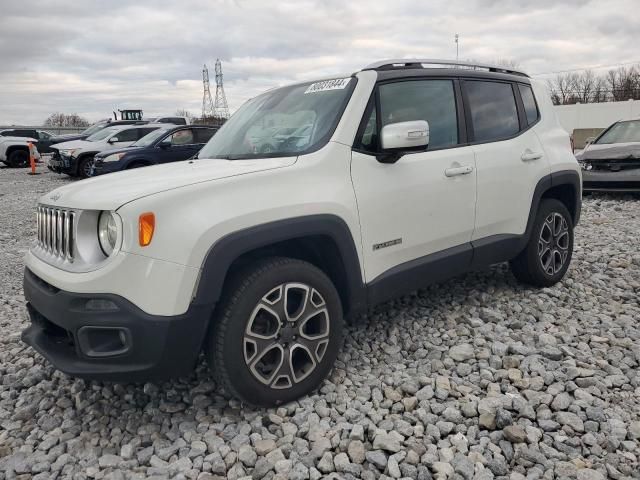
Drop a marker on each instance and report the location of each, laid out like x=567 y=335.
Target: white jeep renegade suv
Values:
x=407 y=172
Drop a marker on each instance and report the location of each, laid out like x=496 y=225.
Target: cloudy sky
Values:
x=92 y=57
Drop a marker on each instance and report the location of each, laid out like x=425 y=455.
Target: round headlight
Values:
x=107 y=232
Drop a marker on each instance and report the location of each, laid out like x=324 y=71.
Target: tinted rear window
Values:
x=529 y=101
x=203 y=134
x=493 y=110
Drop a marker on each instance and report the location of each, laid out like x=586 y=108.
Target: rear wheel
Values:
x=85 y=167
x=277 y=333
x=546 y=258
x=18 y=158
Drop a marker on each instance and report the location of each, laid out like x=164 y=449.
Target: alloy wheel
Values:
x=286 y=335
x=553 y=243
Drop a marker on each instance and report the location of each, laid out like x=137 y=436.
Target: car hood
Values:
x=67 y=138
x=106 y=153
x=110 y=192
x=74 y=144
x=611 y=151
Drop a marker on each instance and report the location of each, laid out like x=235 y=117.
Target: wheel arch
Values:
x=79 y=159
x=323 y=240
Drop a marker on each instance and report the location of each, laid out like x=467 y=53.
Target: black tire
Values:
x=544 y=264
x=18 y=158
x=84 y=166
x=239 y=366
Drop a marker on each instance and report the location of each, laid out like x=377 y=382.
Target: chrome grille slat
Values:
x=55 y=232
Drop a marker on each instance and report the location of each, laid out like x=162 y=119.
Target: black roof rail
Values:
x=400 y=63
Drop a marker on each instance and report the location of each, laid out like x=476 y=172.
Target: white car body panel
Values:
x=7 y=142
x=402 y=202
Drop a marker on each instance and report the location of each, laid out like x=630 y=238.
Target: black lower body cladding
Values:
x=106 y=337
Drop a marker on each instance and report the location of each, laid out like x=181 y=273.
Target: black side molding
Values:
x=225 y=251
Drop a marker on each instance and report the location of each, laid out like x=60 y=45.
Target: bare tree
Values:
x=181 y=112
x=624 y=83
x=59 y=119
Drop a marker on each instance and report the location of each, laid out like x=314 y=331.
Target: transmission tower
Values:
x=220 y=107
x=207 y=101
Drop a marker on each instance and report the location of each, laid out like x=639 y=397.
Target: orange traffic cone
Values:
x=32 y=159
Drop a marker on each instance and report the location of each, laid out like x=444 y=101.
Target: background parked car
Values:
x=75 y=158
x=174 y=120
x=612 y=161
x=14 y=151
x=164 y=145
x=45 y=139
x=96 y=127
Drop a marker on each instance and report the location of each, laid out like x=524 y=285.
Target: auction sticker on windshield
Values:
x=337 y=84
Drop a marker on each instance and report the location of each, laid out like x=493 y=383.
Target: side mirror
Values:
x=113 y=140
x=166 y=143
x=403 y=137
x=589 y=141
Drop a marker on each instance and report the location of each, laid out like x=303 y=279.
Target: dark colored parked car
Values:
x=612 y=161
x=164 y=145
x=45 y=139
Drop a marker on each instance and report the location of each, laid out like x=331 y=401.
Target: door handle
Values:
x=529 y=156
x=455 y=171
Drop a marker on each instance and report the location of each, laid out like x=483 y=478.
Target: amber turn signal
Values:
x=146 y=226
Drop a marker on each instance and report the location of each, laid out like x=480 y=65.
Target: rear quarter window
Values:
x=529 y=102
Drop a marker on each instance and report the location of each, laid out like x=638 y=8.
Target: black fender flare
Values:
x=226 y=250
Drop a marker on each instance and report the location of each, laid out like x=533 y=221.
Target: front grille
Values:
x=55 y=232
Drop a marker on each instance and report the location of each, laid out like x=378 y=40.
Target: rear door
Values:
x=509 y=156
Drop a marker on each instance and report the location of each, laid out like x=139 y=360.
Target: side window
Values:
x=129 y=135
x=7 y=133
x=178 y=121
x=369 y=139
x=430 y=100
x=43 y=135
x=182 y=137
x=493 y=110
x=203 y=134
x=529 y=101
x=143 y=132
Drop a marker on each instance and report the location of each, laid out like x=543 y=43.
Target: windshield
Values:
x=96 y=127
x=150 y=138
x=621 y=132
x=270 y=124
x=102 y=134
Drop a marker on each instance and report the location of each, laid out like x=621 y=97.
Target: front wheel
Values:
x=546 y=258
x=85 y=167
x=277 y=333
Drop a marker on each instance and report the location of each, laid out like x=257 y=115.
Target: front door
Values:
x=180 y=145
x=425 y=202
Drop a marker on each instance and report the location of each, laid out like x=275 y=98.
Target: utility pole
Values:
x=457 y=38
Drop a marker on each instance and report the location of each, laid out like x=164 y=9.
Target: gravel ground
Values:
x=477 y=378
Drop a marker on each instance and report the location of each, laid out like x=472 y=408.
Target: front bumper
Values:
x=106 y=337
x=100 y=167
x=60 y=163
x=608 y=181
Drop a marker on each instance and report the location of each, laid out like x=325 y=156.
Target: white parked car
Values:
x=14 y=151
x=75 y=158
x=412 y=174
